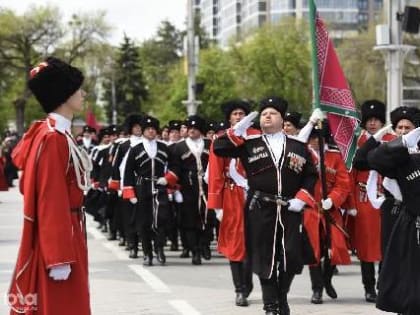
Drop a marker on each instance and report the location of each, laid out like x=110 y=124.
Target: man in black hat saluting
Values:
x=281 y=179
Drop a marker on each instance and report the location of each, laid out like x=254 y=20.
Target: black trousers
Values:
x=242 y=276
x=368 y=275
x=275 y=289
x=149 y=235
x=321 y=275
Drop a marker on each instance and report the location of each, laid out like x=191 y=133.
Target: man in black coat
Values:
x=399 y=279
x=187 y=166
x=281 y=179
x=146 y=162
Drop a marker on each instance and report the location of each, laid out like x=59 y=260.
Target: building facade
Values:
x=231 y=20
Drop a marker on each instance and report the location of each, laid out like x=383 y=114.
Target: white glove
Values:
x=133 y=200
x=162 y=181
x=410 y=139
x=296 y=205
x=381 y=132
x=219 y=214
x=316 y=116
x=352 y=212
x=240 y=128
x=60 y=272
x=326 y=204
x=178 y=197
x=372 y=190
x=392 y=186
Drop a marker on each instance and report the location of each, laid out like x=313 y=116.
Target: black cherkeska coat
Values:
x=266 y=224
x=399 y=279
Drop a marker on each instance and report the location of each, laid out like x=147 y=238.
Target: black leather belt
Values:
x=279 y=200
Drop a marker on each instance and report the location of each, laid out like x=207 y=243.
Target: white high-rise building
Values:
x=231 y=20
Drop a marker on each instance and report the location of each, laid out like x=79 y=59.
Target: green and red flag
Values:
x=331 y=91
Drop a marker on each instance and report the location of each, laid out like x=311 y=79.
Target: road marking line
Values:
x=154 y=282
x=116 y=251
x=183 y=307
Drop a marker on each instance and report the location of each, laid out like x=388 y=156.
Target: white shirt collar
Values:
x=150 y=146
x=275 y=144
x=62 y=124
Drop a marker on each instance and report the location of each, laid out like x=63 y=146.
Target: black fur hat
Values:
x=294 y=118
x=229 y=106
x=149 y=121
x=131 y=120
x=175 y=125
x=372 y=108
x=275 y=102
x=53 y=82
x=404 y=112
x=197 y=122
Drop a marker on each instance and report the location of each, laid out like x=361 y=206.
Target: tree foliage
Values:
x=127 y=81
x=27 y=39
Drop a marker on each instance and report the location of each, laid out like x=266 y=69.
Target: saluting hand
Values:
x=240 y=128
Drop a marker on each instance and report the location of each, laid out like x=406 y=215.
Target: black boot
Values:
x=241 y=300
x=196 y=259
x=122 y=242
x=368 y=279
x=160 y=256
x=317 y=297
x=271 y=309
x=206 y=252
x=133 y=253
x=329 y=289
x=185 y=253
x=174 y=247
x=148 y=260
x=112 y=236
x=370 y=295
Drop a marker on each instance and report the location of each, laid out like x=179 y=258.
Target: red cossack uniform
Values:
x=338 y=188
x=53 y=233
x=366 y=237
x=3 y=181
x=227 y=194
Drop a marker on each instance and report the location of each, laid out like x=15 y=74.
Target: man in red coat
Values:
x=326 y=238
x=51 y=273
x=366 y=237
x=226 y=194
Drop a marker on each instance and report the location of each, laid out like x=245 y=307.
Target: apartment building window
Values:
x=262 y=6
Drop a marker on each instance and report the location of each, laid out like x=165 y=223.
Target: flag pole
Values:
x=321 y=142
x=315 y=70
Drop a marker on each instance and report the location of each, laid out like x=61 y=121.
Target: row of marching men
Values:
x=132 y=199
x=144 y=170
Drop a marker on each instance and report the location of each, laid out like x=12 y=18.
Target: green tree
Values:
x=275 y=62
x=363 y=67
x=23 y=40
x=127 y=80
x=26 y=39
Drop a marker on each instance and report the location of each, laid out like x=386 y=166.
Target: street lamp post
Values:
x=192 y=51
x=394 y=53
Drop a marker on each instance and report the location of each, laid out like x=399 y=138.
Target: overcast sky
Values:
x=137 y=18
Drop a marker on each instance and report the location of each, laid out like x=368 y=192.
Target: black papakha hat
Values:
x=404 y=112
x=174 y=125
x=196 y=122
x=131 y=120
x=229 y=106
x=53 y=82
x=278 y=103
x=372 y=108
x=294 y=118
x=149 y=121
